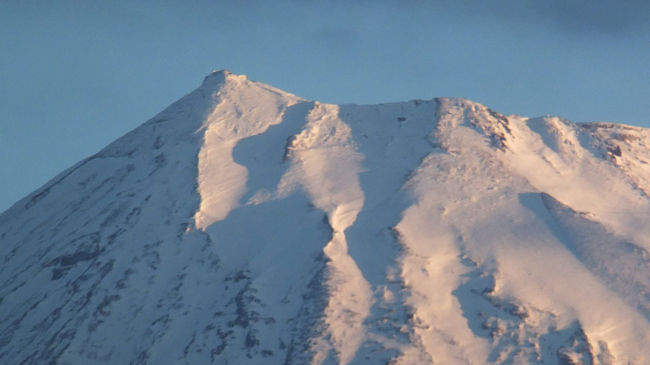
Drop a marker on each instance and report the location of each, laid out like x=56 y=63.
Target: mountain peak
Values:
x=219 y=77
x=244 y=224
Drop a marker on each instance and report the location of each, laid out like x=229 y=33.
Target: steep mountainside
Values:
x=245 y=225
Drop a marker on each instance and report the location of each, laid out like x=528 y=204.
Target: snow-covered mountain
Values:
x=245 y=225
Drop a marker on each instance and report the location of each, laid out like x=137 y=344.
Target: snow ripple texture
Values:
x=246 y=225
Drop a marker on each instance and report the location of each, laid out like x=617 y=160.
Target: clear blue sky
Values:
x=75 y=75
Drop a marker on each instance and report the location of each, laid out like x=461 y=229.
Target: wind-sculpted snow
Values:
x=245 y=225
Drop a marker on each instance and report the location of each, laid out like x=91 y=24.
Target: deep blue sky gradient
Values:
x=75 y=75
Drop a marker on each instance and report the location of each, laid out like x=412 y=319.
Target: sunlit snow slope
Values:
x=245 y=225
